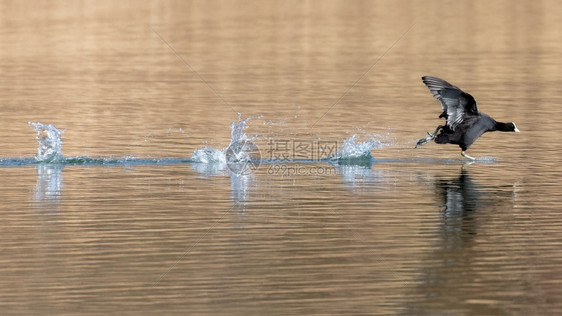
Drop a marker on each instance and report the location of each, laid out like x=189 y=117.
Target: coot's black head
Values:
x=506 y=127
x=511 y=127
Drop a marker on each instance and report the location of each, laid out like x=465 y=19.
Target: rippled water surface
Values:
x=150 y=204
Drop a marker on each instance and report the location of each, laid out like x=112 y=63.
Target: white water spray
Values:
x=353 y=149
x=239 y=149
x=49 y=141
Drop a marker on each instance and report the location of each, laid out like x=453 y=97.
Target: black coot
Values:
x=464 y=123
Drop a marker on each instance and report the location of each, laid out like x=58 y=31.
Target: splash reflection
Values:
x=48 y=190
x=240 y=185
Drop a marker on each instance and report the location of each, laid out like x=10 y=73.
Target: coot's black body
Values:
x=467 y=132
x=464 y=123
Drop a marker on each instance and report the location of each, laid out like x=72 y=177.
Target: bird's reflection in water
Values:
x=450 y=271
x=48 y=190
x=460 y=198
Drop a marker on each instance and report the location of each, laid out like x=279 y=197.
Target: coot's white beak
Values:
x=516 y=129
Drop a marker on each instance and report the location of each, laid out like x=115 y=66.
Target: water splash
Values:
x=209 y=155
x=239 y=149
x=50 y=143
x=353 y=150
x=241 y=145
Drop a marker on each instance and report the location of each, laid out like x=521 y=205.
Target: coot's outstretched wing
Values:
x=457 y=105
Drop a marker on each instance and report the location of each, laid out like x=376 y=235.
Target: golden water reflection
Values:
x=414 y=233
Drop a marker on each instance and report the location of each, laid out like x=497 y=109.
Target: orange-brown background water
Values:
x=427 y=236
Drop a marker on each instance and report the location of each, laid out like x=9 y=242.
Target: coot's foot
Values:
x=467 y=156
x=423 y=141
x=430 y=137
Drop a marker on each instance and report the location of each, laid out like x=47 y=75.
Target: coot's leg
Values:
x=436 y=130
x=467 y=156
x=430 y=137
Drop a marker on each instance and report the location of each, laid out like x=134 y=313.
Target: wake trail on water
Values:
x=49 y=151
x=242 y=149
